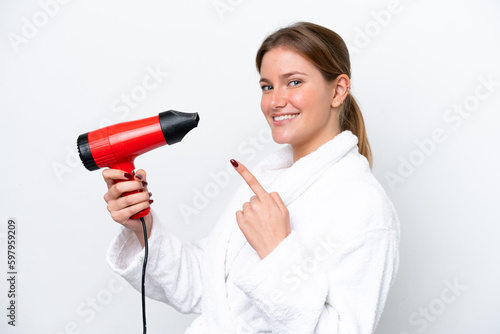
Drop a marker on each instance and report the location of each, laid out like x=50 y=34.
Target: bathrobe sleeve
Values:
x=329 y=286
x=173 y=273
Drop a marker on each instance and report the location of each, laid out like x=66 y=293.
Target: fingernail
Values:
x=234 y=163
x=139 y=176
x=150 y=194
x=151 y=201
x=144 y=183
x=128 y=175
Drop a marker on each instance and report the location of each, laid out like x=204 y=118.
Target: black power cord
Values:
x=143 y=290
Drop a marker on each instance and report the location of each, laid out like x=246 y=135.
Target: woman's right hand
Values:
x=122 y=208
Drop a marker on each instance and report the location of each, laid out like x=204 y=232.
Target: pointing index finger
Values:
x=250 y=179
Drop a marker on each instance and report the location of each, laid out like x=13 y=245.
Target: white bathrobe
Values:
x=330 y=275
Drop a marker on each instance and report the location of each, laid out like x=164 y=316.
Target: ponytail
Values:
x=350 y=118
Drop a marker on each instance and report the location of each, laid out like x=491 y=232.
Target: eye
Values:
x=294 y=82
x=266 y=88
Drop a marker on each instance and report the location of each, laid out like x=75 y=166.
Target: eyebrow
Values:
x=284 y=76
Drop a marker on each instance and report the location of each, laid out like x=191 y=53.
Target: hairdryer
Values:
x=116 y=146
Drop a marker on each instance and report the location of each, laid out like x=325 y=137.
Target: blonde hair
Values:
x=327 y=51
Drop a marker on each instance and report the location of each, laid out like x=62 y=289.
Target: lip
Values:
x=285 y=121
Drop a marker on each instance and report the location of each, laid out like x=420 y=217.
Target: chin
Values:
x=279 y=138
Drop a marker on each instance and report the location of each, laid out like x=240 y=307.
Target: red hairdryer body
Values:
x=116 y=146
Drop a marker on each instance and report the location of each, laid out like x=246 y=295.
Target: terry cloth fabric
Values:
x=332 y=274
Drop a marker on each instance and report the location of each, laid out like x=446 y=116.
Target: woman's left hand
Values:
x=264 y=220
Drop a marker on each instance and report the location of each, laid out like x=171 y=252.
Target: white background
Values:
x=66 y=66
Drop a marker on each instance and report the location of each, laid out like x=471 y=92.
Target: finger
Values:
x=130 y=200
x=239 y=218
x=118 y=189
x=140 y=175
x=246 y=207
x=279 y=202
x=254 y=200
x=112 y=175
x=250 y=179
x=123 y=215
x=239 y=215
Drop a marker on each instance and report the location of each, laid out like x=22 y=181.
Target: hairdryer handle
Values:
x=128 y=166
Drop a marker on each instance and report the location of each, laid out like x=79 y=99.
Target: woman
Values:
x=309 y=243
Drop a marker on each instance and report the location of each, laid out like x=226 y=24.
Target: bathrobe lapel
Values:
x=298 y=178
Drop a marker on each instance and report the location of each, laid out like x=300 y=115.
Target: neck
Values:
x=301 y=150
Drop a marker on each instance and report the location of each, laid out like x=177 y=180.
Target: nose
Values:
x=278 y=99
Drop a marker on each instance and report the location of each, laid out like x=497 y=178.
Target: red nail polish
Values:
x=234 y=163
x=144 y=183
x=128 y=175
x=139 y=176
x=150 y=194
x=151 y=201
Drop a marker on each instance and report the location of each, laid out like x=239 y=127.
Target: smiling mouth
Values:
x=283 y=117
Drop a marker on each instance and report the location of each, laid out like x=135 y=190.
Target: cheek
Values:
x=264 y=104
x=302 y=101
x=316 y=103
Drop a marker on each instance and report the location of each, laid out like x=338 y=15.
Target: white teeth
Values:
x=283 y=117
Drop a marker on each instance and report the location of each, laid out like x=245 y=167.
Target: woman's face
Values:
x=297 y=101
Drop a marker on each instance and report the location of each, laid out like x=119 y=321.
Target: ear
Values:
x=341 y=89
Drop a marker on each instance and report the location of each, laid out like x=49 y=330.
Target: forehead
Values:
x=281 y=60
